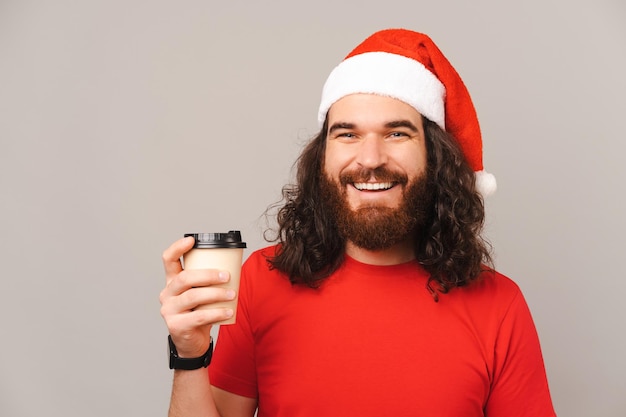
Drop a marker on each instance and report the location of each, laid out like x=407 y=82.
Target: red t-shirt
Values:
x=372 y=342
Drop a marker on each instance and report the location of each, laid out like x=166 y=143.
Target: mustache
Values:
x=381 y=174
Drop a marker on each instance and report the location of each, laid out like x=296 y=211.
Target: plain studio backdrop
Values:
x=124 y=124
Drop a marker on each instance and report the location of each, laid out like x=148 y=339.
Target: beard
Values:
x=376 y=227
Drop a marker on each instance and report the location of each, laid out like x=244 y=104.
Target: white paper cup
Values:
x=223 y=251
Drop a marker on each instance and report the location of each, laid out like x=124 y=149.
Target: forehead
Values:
x=370 y=109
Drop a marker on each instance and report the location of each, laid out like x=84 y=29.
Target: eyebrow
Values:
x=341 y=125
x=402 y=123
x=392 y=124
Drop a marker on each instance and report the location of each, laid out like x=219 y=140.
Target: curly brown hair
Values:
x=450 y=246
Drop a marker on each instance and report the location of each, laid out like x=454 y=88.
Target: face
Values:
x=375 y=147
x=374 y=169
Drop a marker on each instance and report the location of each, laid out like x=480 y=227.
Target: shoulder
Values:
x=258 y=273
x=492 y=282
x=259 y=258
x=491 y=291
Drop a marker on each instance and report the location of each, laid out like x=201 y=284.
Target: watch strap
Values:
x=188 y=364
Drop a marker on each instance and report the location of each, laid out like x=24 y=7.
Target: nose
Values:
x=372 y=153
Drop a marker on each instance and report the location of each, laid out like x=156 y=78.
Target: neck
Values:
x=397 y=254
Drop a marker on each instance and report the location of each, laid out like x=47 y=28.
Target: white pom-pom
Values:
x=485 y=183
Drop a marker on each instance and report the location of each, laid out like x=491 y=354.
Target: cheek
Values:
x=413 y=161
x=333 y=162
x=414 y=169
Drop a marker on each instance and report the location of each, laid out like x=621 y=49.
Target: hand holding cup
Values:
x=191 y=301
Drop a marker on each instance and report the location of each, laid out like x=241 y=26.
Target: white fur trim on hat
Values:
x=389 y=75
x=485 y=183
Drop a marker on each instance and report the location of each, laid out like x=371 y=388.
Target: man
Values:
x=378 y=299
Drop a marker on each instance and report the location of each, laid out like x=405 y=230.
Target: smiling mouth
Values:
x=373 y=186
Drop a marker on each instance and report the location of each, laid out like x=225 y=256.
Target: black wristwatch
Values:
x=189 y=364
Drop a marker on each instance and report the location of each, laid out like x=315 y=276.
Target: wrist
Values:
x=177 y=361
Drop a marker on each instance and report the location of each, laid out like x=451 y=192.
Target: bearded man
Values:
x=380 y=297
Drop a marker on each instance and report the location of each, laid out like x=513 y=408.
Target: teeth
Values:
x=372 y=186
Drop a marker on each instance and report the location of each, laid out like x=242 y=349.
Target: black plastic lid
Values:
x=231 y=239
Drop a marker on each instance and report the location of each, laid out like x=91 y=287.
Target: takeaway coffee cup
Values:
x=222 y=251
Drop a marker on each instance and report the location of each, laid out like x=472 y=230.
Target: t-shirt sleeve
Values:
x=519 y=386
x=233 y=366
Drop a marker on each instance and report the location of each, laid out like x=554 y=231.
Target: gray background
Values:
x=124 y=124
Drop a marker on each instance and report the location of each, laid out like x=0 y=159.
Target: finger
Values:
x=186 y=323
x=191 y=278
x=188 y=289
x=171 y=256
x=203 y=296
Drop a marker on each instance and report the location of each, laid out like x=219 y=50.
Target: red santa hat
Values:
x=408 y=66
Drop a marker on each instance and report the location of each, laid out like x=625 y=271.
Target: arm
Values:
x=520 y=386
x=190 y=330
x=192 y=394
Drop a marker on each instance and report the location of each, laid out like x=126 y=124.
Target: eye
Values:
x=346 y=136
x=398 y=135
